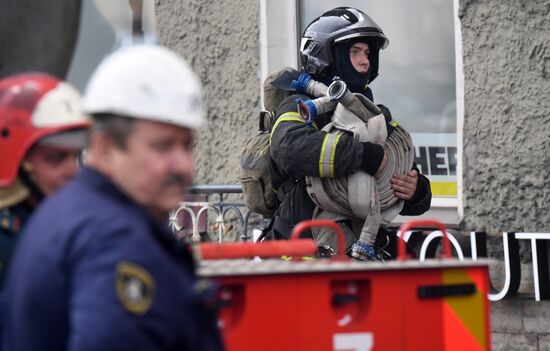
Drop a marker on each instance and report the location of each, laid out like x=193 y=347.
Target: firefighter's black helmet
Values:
x=326 y=41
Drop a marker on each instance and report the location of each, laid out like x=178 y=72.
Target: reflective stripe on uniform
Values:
x=328 y=151
x=288 y=117
x=333 y=155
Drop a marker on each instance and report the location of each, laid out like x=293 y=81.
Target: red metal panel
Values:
x=360 y=309
x=422 y=318
x=307 y=311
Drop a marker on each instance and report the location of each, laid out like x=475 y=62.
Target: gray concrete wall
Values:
x=520 y=324
x=506 y=51
x=221 y=41
x=506 y=145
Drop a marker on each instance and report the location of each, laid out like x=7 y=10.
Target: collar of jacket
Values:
x=102 y=183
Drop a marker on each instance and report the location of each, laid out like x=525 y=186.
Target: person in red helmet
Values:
x=42 y=132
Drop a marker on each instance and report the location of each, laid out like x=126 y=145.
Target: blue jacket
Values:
x=94 y=271
x=12 y=219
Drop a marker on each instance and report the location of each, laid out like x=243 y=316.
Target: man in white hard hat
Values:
x=104 y=273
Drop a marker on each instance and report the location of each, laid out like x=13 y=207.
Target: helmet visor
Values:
x=383 y=41
x=75 y=138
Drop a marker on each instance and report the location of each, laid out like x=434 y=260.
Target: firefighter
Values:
x=343 y=42
x=42 y=131
x=102 y=271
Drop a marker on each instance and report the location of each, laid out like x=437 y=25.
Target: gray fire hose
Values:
x=360 y=195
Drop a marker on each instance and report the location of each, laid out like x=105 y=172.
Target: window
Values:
x=106 y=25
x=416 y=78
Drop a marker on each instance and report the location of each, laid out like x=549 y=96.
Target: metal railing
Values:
x=200 y=204
x=202 y=199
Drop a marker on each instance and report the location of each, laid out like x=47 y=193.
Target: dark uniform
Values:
x=95 y=272
x=12 y=219
x=296 y=149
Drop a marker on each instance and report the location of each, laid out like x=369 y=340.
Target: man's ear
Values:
x=104 y=144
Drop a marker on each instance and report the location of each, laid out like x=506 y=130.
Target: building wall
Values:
x=221 y=41
x=520 y=323
x=506 y=158
x=506 y=144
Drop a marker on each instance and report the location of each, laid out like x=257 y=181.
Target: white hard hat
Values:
x=146 y=82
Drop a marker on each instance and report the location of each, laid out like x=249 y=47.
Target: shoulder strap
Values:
x=265 y=122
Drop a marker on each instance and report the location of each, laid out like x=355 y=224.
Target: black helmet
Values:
x=326 y=41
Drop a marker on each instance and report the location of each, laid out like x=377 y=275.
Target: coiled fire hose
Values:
x=359 y=195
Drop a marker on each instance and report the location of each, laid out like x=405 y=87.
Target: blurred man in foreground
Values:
x=102 y=271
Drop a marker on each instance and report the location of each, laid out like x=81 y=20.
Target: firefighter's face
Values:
x=52 y=166
x=359 y=57
x=156 y=165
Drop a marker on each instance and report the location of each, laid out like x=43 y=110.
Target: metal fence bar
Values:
x=220 y=206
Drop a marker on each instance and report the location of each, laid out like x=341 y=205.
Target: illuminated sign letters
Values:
x=476 y=246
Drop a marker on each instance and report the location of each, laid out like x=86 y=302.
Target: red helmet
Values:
x=33 y=106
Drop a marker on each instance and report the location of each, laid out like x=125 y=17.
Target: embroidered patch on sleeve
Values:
x=135 y=287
